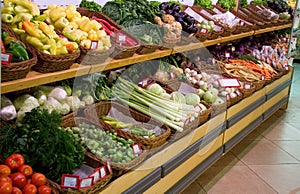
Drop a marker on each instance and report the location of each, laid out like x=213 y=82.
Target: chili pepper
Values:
x=34 y=41
x=21 y=17
x=7 y=18
x=106 y=23
x=7 y=8
x=32 y=7
x=130 y=41
x=2 y=47
x=21 y=9
x=108 y=31
x=15 y=47
x=30 y=29
x=46 y=29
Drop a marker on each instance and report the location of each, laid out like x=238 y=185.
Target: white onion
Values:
x=187 y=70
x=198 y=77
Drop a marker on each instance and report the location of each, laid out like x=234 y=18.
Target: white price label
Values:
x=229 y=82
x=262 y=77
x=95 y=175
x=247 y=86
x=203 y=31
x=6 y=58
x=86 y=182
x=102 y=172
x=122 y=38
x=194 y=14
x=187 y=2
x=94 y=44
x=108 y=165
x=198 y=108
x=238 y=92
x=69 y=181
x=227 y=54
x=228 y=97
x=136 y=149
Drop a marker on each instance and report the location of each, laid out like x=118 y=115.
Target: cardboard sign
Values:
x=229 y=82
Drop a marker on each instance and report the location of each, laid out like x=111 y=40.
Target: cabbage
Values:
x=58 y=93
x=209 y=97
x=73 y=102
x=192 y=99
x=26 y=100
x=178 y=97
x=88 y=99
x=65 y=109
x=156 y=89
x=40 y=96
x=52 y=104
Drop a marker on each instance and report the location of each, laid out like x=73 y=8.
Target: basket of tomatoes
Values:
x=18 y=177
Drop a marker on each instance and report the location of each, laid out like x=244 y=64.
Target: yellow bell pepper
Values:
x=71 y=11
x=57 y=13
x=85 y=24
x=61 y=23
x=62 y=50
x=92 y=35
x=96 y=25
x=76 y=20
x=86 y=43
x=51 y=6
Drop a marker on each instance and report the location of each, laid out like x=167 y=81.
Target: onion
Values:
x=198 y=77
x=187 y=70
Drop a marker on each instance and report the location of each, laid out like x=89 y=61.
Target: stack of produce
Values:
x=280 y=7
x=76 y=27
x=25 y=20
x=32 y=138
x=175 y=110
x=18 y=177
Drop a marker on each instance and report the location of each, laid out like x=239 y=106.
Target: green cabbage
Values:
x=178 y=97
x=192 y=99
x=156 y=89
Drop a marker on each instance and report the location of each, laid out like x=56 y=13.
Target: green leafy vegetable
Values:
x=46 y=146
x=244 y=3
x=204 y=3
x=226 y=4
x=90 y=5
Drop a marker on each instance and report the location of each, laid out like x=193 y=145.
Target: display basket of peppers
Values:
x=20 y=51
x=118 y=168
x=125 y=45
x=102 y=109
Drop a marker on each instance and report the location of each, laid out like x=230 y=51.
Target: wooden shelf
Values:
x=35 y=78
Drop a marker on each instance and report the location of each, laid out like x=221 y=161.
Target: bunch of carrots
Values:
x=252 y=66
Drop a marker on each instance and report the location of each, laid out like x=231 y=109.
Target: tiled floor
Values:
x=267 y=161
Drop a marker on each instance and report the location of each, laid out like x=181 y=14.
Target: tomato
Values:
x=4 y=170
x=5 y=179
x=28 y=181
x=14 y=161
x=29 y=189
x=5 y=188
x=16 y=190
x=18 y=179
x=26 y=170
x=38 y=179
x=44 y=190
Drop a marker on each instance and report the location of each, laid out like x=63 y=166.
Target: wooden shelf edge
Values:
x=35 y=79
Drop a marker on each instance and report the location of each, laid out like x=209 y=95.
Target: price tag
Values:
x=86 y=182
x=70 y=181
x=233 y=48
x=108 y=165
x=227 y=54
x=102 y=171
x=198 y=108
x=6 y=58
x=95 y=175
x=194 y=14
x=213 y=61
x=203 y=31
x=187 y=2
x=121 y=38
x=94 y=44
x=136 y=149
x=229 y=82
x=187 y=121
x=286 y=67
x=262 y=77
x=247 y=86
x=238 y=92
x=228 y=97
x=241 y=23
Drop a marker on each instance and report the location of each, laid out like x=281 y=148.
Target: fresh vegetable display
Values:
x=29 y=24
x=168 y=110
x=14 y=47
x=90 y=5
x=78 y=28
x=105 y=143
x=280 y=6
x=226 y=4
x=17 y=177
x=32 y=138
x=204 y=3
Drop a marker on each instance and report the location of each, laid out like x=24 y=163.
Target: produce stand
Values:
x=171 y=167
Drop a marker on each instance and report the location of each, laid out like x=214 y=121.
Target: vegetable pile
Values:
x=171 y=110
x=105 y=143
x=32 y=139
x=18 y=177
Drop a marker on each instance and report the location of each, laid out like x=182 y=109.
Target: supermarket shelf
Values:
x=35 y=79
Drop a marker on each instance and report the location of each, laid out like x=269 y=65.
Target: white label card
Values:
x=108 y=165
x=195 y=15
x=102 y=172
x=203 y=31
x=187 y=2
x=69 y=181
x=227 y=54
x=86 y=182
x=94 y=44
x=247 y=86
x=229 y=82
x=6 y=58
x=136 y=149
x=96 y=176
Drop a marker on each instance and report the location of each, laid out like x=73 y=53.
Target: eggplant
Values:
x=163 y=12
x=169 y=11
x=176 y=15
x=164 y=6
x=190 y=20
x=175 y=8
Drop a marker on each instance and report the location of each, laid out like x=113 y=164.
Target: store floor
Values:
x=266 y=161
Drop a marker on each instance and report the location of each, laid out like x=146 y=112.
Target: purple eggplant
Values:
x=190 y=20
x=164 y=6
x=175 y=8
x=169 y=11
x=163 y=12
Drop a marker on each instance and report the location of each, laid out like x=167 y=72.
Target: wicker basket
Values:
x=103 y=109
x=95 y=162
x=256 y=16
x=256 y=10
x=256 y=24
x=147 y=48
x=120 y=51
x=96 y=188
x=249 y=91
x=17 y=70
x=170 y=43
